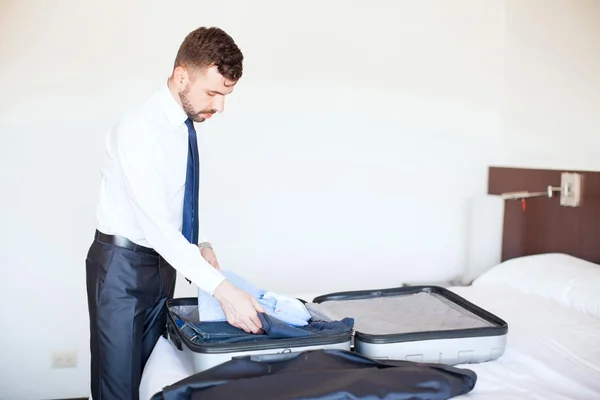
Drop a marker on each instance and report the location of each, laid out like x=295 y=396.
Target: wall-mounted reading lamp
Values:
x=570 y=191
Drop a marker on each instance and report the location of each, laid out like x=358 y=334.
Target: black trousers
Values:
x=127 y=290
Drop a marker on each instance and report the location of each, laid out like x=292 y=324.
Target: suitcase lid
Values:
x=410 y=313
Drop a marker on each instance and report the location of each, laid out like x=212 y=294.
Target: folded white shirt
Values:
x=285 y=308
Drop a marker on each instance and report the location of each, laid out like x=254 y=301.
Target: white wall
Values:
x=552 y=83
x=344 y=160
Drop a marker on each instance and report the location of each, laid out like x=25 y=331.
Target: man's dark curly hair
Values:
x=205 y=47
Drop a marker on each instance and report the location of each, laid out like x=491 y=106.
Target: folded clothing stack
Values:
x=223 y=332
x=284 y=308
x=284 y=317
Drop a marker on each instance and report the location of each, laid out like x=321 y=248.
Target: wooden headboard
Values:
x=545 y=226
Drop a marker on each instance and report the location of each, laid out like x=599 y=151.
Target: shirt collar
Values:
x=173 y=111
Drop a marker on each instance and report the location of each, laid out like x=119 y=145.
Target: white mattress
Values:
x=552 y=353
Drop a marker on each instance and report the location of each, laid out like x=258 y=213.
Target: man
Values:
x=148 y=217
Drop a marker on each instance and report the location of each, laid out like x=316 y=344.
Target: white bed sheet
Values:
x=552 y=353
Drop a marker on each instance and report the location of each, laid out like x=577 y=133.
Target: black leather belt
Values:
x=121 y=241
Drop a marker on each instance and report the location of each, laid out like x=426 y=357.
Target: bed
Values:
x=546 y=287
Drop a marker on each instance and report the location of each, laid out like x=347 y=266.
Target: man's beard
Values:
x=189 y=110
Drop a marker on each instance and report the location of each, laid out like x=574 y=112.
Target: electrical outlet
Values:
x=64 y=359
x=570 y=193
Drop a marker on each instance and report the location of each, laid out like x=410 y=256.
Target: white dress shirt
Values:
x=143 y=184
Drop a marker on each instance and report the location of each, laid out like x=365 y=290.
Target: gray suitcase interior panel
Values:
x=408 y=313
x=421 y=323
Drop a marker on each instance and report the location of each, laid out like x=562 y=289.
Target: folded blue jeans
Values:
x=224 y=332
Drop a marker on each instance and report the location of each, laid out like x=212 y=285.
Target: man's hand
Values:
x=239 y=307
x=210 y=256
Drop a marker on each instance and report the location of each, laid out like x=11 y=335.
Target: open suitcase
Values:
x=419 y=323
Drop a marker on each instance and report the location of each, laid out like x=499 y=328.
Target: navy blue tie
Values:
x=190 y=199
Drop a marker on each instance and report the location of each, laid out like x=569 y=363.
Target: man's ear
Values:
x=181 y=77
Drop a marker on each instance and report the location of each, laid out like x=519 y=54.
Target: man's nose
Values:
x=219 y=104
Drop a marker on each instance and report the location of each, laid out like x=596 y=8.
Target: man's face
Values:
x=204 y=93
